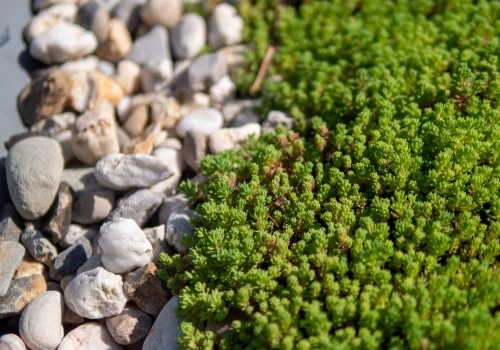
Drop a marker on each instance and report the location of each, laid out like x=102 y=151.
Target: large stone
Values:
x=10 y=224
x=96 y=294
x=224 y=26
x=41 y=322
x=130 y=326
x=189 y=36
x=124 y=246
x=69 y=260
x=89 y=336
x=40 y=248
x=45 y=96
x=118 y=44
x=178 y=226
x=194 y=149
x=145 y=289
x=204 y=121
x=94 y=17
x=152 y=46
x=63 y=42
x=59 y=217
x=203 y=72
x=122 y=172
x=166 y=13
x=21 y=292
x=165 y=330
x=139 y=206
x=11 y=255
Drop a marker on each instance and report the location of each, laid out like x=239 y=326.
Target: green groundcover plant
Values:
x=375 y=222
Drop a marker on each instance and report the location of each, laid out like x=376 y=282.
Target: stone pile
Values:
x=134 y=95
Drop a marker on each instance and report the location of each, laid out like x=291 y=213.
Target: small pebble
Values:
x=59 y=217
x=224 y=26
x=139 y=206
x=136 y=120
x=93 y=262
x=231 y=138
x=128 y=12
x=69 y=260
x=11 y=255
x=96 y=294
x=11 y=342
x=189 y=36
x=276 y=119
x=194 y=149
x=75 y=232
x=166 y=111
x=161 y=12
x=71 y=318
x=155 y=74
x=89 y=336
x=118 y=43
x=92 y=204
x=130 y=326
x=178 y=226
x=170 y=205
x=156 y=236
x=203 y=72
x=94 y=17
x=151 y=47
x=204 y=121
x=165 y=330
x=40 y=248
x=128 y=76
x=222 y=92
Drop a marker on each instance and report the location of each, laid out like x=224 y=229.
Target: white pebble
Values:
x=230 y=138
x=205 y=121
x=224 y=26
x=189 y=36
x=89 y=336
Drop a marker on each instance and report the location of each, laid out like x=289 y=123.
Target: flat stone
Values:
x=94 y=17
x=225 y=27
x=152 y=46
x=94 y=134
x=21 y=292
x=204 y=121
x=10 y=224
x=118 y=43
x=145 y=142
x=277 y=119
x=40 y=248
x=189 y=36
x=93 y=262
x=170 y=205
x=165 y=330
x=96 y=294
x=41 y=322
x=194 y=149
x=166 y=13
x=231 y=138
x=145 y=289
x=156 y=236
x=45 y=96
x=11 y=342
x=124 y=246
x=62 y=42
x=128 y=12
x=29 y=266
x=89 y=336
x=130 y=326
x=178 y=226
x=203 y=72
x=59 y=217
x=122 y=172
x=69 y=260
x=139 y=206
x=11 y=255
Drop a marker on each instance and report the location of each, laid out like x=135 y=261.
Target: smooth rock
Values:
x=69 y=260
x=130 y=326
x=276 y=119
x=128 y=12
x=59 y=217
x=62 y=42
x=178 y=226
x=10 y=224
x=128 y=76
x=122 y=172
x=96 y=294
x=45 y=96
x=78 y=178
x=204 y=121
x=222 y=92
x=94 y=134
x=191 y=102
x=65 y=11
x=41 y=322
x=156 y=236
x=161 y=12
x=93 y=262
x=94 y=17
x=64 y=139
x=118 y=43
x=165 y=330
x=145 y=289
x=93 y=204
x=136 y=121
x=166 y=111
x=155 y=75
x=171 y=156
x=124 y=246
x=89 y=336
x=107 y=68
x=11 y=342
x=84 y=65
x=20 y=293
x=66 y=280
x=171 y=142
x=28 y=267
x=169 y=186
x=140 y=206
x=203 y=72
x=151 y=47
x=224 y=26
x=40 y=248
x=170 y=205
x=145 y=142
x=189 y=36
x=194 y=149
x=71 y=318
x=11 y=255
x=231 y=138
x=39 y=24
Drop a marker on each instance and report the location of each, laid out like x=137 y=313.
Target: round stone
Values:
x=204 y=121
x=89 y=336
x=189 y=36
x=130 y=326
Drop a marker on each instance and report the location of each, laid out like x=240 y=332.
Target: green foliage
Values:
x=375 y=224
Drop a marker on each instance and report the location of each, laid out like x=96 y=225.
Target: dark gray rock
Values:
x=152 y=46
x=11 y=254
x=10 y=224
x=69 y=260
x=93 y=262
x=59 y=217
x=40 y=248
x=140 y=206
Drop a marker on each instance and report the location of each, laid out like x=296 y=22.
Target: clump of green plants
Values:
x=375 y=222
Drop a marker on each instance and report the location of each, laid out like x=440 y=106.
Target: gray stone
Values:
x=155 y=75
x=40 y=248
x=178 y=226
x=55 y=124
x=54 y=286
x=93 y=204
x=165 y=330
x=71 y=318
x=156 y=236
x=130 y=326
x=204 y=121
x=128 y=12
x=140 y=206
x=11 y=255
x=41 y=322
x=59 y=217
x=222 y=92
x=89 y=336
x=93 y=262
x=145 y=289
x=166 y=13
x=106 y=68
x=69 y=260
x=153 y=46
x=171 y=204
x=75 y=232
x=78 y=178
x=189 y=36
x=203 y=72
x=34 y=169
x=10 y=224
x=231 y=138
x=11 y=342
x=277 y=119
x=21 y=292
x=224 y=26
x=194 y=149
x=66 y=280
x=64 y=139
x=94 y=17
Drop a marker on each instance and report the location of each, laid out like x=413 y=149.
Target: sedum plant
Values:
x=375 y=222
